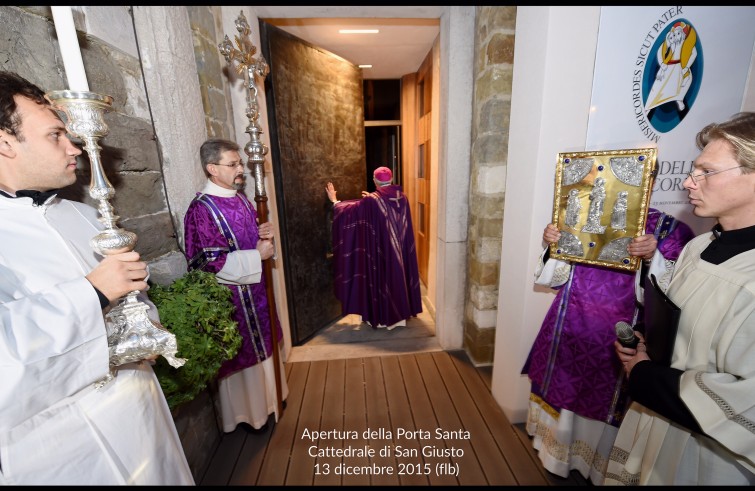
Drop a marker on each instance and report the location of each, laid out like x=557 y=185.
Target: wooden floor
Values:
x=431 y=421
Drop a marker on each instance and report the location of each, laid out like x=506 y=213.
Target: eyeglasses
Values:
x=697 y=178
x=240 y=164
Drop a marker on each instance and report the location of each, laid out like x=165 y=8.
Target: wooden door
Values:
x=423 y=176
x=316 y=117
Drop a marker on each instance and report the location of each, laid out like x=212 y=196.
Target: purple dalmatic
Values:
x=375 y=258
x=214 y=226
x=572 y=363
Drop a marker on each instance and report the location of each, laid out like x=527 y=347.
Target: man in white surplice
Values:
x=55 y=426
x=694 y=422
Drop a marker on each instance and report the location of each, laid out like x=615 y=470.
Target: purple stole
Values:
x=244 y=292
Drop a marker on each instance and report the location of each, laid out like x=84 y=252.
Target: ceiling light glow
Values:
x=365 y=66
x=359 y=31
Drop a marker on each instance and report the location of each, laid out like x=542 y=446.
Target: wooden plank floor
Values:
x=412 y=419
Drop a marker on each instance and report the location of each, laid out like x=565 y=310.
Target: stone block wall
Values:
x=130 y=156
x=494 y=63
x=213 y=70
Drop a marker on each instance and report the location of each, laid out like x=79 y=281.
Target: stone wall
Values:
x=213 y=70
x=130 y=156
x=494 y=58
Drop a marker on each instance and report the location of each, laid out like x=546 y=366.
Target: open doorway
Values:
x=382 y=128
x=385 y=126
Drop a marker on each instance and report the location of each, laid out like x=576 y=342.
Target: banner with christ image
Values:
x=661 y=75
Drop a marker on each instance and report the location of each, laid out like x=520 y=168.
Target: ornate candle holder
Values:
x=131 y=334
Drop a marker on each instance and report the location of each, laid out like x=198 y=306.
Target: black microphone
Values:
x=625 y=335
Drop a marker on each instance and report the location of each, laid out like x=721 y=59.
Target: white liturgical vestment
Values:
x=55 y=427
x=715 y=347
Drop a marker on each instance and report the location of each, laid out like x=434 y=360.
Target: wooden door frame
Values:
x=409 y=142
x=417 y=97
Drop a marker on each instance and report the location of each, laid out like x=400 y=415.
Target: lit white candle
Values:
x=69 y=48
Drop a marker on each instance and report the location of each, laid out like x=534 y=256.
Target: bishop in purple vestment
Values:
x=375 y=259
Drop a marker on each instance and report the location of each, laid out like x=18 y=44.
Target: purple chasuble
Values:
x=375 y=259
x=207 y=248
x=572 y=363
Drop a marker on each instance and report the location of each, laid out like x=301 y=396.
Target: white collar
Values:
x=214 y=190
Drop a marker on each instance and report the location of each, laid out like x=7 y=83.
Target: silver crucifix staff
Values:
x=250 y=67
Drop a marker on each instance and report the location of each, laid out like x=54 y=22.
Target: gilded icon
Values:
x=600 y=203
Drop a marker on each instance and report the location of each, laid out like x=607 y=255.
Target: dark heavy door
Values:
x=316 y=115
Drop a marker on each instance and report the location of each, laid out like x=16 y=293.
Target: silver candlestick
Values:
x=131 y=334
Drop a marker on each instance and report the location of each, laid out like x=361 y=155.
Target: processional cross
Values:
x=250 y=67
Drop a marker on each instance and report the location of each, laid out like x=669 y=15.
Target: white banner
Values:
x=661 y=75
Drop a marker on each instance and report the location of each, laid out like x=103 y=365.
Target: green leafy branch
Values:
x=199 y=312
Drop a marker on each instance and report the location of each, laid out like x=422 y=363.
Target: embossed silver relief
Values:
x=616 y=250
x=573 y=207
x=597 y=205
x=576 y=170
x=619 y=213
x=132 y=336
x=595 y=213
x=627 y=170
x=570 y=244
